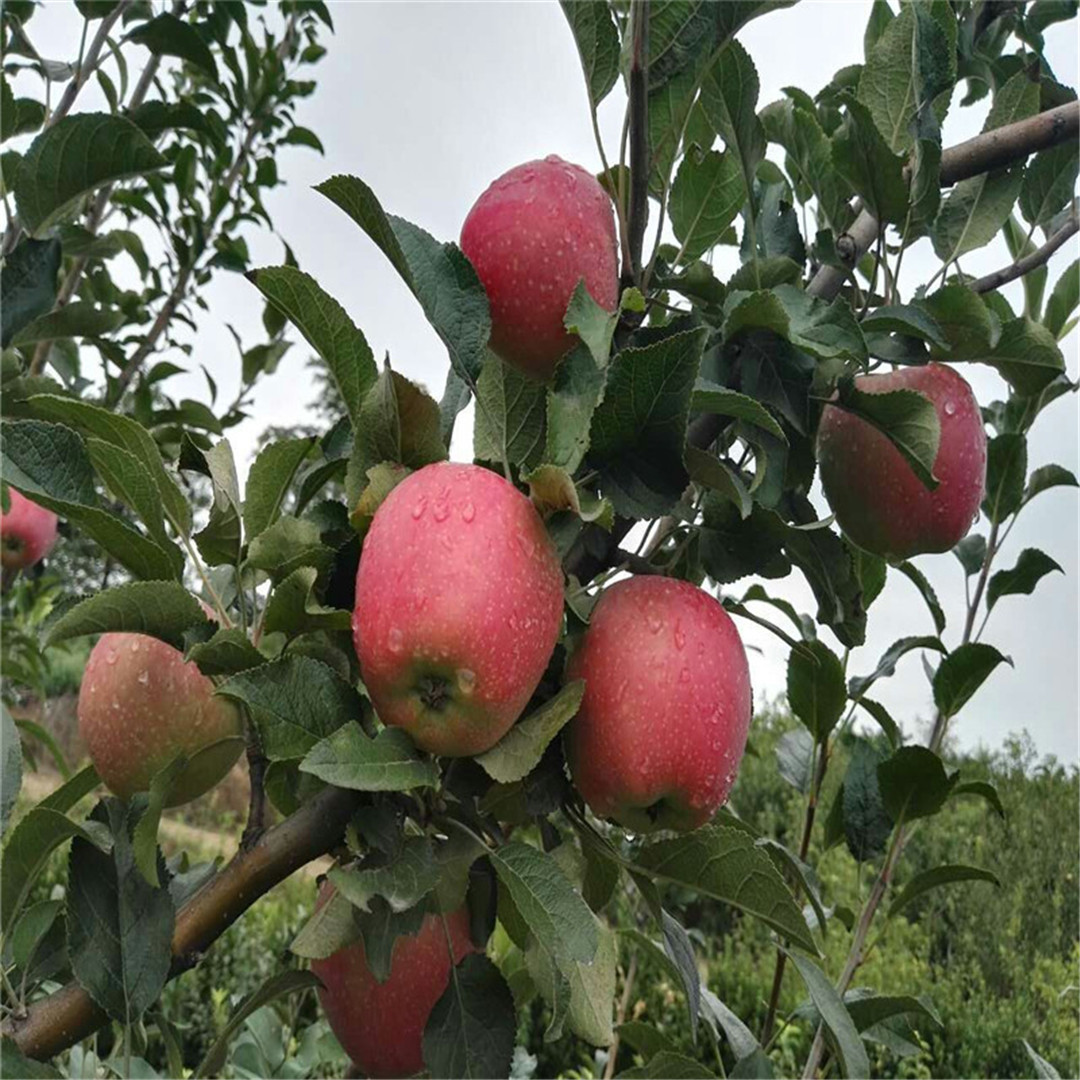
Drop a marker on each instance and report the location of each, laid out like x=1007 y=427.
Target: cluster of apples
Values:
x=459 y=606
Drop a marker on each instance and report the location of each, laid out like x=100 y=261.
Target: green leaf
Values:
x=718 y=476
x=795 y=757
x=971 y=551
x=554 y=913
x=127 y=434
x=79 y=319
x=456 y=395
x=119 y=928
x=519 y=751
x=976 y=209
x=740 y=1038
x=708 y=397
x=287 y=546
x=729 y=93
x=402 y=882
x=166 y=35
x=49 y=463
x=906 y=418
x=389 y=762
x=597 y=40
x=982 y=790
x=595 y=325
x=965 y=323
x=907 y=319
x=708 y=192
x=639 y=430
x=144 y=836
x=27 y=285
x=919 y=580
x=552 y=489
x=225 y=653
x=866 y=824
x=471 y=1029
x=884 y=720
x=644 y=1038
x=1006 y=468
x=293 y=609
x=886 y=666
x=14 y=1063
x=1026 y=355
x=295 y=702
x=438 y=275
x=962 y=672
x=1031 y=567
x=1048 y=185
x=862 y=157
x=276 y=986
x=572 y=397
x=160 y=609
x=1063 y=299
x=939 y=875
x=75 y=156
x=667 y=1065
x=10 y=766
x=815 y=688
x=913 y=783
x=849 y=1047
x=723 y=862
x=1046 y=477
x=1043 y=1069
x=269 y=480
x=510 y=409
x=327 y=328
x=331 y=927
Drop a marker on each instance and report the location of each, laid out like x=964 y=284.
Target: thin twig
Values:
x=639 y=133
x=620 y=1016
x=1023 y=266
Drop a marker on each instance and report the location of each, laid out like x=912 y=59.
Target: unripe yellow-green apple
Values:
x=660 y=734
x=27 y=533
x=459 y=598
x=532 y=236
x=141 y=705
x=381 y=1025
x=878 y=500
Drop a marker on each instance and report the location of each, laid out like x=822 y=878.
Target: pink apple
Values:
x=27 y=533
x=141 y=705
x=381 y=1025
x=661 y=730
x=459 y=599
x=532 y=236
x=877 y=498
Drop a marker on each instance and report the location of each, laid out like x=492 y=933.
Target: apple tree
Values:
x=509 y=697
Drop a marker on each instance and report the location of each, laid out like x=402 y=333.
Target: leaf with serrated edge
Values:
x=389 y=762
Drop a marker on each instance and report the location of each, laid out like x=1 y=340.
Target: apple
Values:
x=658 y=739
x=532 y=236
x=878 y=500
x=381 y=1025
x=141 y=705
x=459 y=598
x=27 y=533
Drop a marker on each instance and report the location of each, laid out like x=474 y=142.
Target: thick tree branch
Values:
x=1029 y=262
x=64 y=1018
x=639 y=133
x=983 y=153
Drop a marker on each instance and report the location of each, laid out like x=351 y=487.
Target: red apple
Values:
x=381 y=1025
x=27 y=533
x=878 y=500
x=532 y=236
x=459 y=600
x=141 y=705
x=661 y=730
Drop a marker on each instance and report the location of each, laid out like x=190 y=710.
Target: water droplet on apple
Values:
x=680 y=638
x=468 y=512
x=144 y=678
x=441 y=511
x=115 y=705
x=684 y=675
x=656 y=624
x=135 y=645
x=950 y=408
x=527 y=544
x=418 y=509
x=466 y=681
x=395 y=639
x=111 y=657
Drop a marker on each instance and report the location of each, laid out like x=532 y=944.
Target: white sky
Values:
x=429 y=102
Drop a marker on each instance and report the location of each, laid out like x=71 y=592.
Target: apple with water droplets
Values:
x=27 y=533
x=381 y=1025
x=660 y=734
x=141 y=705
x=459 y=598
x=535 y=233
x=878 y=500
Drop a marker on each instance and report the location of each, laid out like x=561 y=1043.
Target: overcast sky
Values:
x=429 y=102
